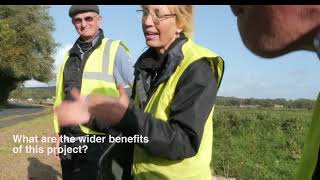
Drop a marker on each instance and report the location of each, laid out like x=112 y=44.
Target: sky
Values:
x=292 y=76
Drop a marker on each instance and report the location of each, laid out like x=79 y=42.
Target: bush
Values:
x=258 y=143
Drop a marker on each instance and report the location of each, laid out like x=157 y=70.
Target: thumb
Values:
x=75 y=94
x=122 y=93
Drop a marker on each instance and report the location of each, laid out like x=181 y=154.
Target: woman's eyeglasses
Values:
x=156 y=17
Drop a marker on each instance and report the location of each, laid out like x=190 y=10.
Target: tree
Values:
x=26 y=46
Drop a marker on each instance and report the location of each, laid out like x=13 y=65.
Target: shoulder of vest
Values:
x=68 y=52
x=193 y=52
x=120 y=43
x=194 y=48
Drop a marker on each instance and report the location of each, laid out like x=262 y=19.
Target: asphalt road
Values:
x=25 y=112
x=20 y=113
x=20 y=109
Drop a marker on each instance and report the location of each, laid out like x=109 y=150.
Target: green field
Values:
x=258 y=143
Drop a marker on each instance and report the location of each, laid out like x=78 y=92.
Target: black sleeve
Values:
x=180 y=136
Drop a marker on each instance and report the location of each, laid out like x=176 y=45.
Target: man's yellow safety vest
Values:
x=147 y=166
x=310 y=152
x=97 y=77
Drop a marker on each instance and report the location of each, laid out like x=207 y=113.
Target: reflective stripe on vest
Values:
x=311 y=146
x=152 y=167
x=104 y=75
x=97 y=77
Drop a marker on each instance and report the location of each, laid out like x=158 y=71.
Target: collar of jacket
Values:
x=316 y=43
x=166 y=63
x=95 y=43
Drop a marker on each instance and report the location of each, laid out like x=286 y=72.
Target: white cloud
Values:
x=252 y=82
x=59 y=56
x=297 y=72
x=247 y=85
x=34 y=83
x=58 y=60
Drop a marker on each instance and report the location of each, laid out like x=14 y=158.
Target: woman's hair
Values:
x=184 y=18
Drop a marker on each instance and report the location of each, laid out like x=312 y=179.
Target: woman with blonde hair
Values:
x=172 y=101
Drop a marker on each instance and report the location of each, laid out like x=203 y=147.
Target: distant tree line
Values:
x=34 y=93
x=49 y=92
x=233 y=101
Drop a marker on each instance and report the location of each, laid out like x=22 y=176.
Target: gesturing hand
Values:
x=73 y=112
x=107 y=108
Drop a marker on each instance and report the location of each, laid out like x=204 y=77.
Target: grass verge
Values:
x=17 y=166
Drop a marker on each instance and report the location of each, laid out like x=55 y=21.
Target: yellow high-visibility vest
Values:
x=147 y=166
x=97 y=77
x=310 y=152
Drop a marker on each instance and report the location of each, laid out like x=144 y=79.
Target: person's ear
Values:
x=179 y=27
x=99 y=20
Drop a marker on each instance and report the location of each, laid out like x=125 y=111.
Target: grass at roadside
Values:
x=44 y=112
x=27 y=165
x=2 y=106
x=258 y=143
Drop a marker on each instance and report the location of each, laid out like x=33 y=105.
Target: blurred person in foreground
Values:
x=271 y=31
